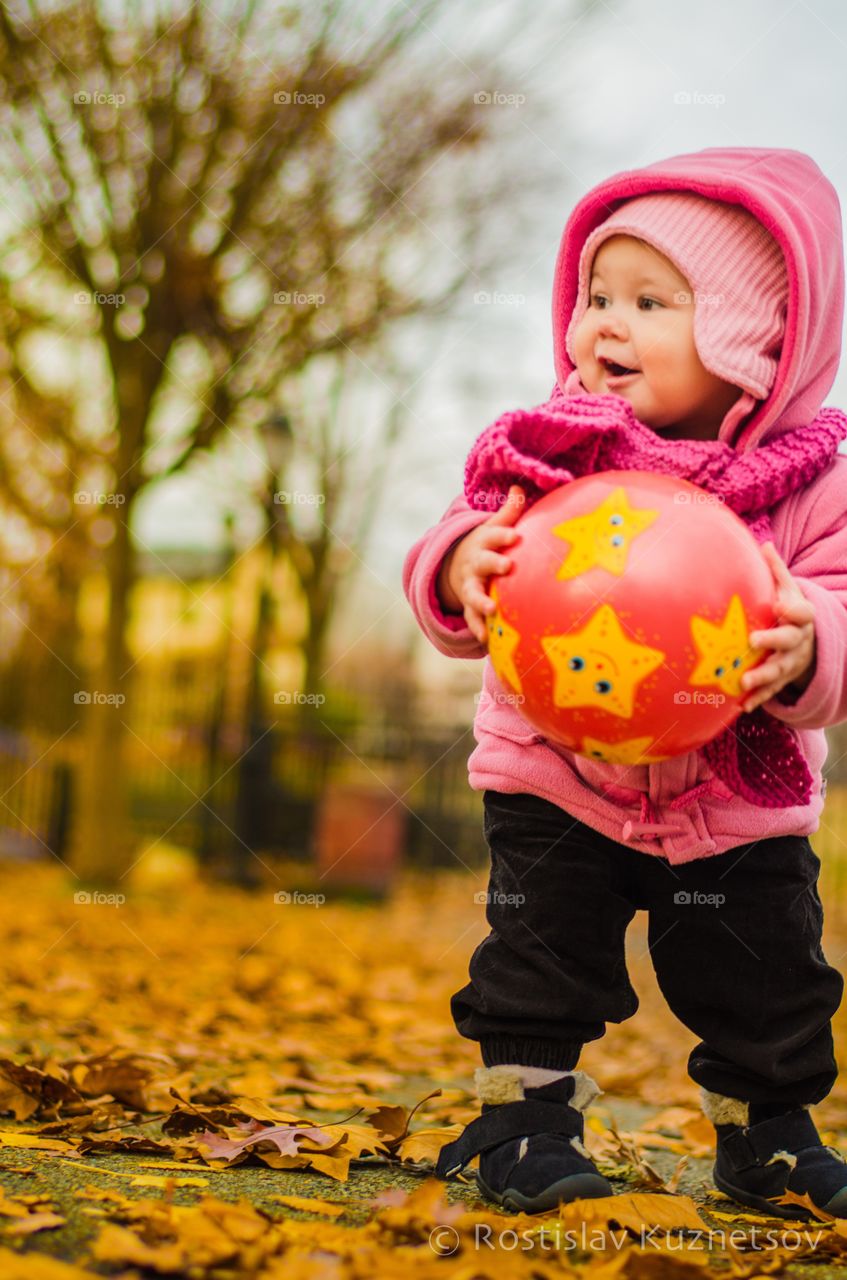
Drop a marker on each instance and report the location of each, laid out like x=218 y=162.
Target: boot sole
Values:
x=797 y=1212
x=576 y=1186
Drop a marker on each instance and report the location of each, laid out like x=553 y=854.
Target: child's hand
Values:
x=793 y=661
x=461 y=582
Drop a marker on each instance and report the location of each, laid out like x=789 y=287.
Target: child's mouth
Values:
x=615 y=370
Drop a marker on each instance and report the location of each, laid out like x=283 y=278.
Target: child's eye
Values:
x=599 y=300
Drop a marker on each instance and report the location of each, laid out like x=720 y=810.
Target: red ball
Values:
x=622 y=629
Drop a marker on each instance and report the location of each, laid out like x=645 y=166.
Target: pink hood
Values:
x=788 y=193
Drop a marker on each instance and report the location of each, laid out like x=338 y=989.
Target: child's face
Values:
x=641 y=315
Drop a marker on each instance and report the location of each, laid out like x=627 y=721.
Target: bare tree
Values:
x=202 y=203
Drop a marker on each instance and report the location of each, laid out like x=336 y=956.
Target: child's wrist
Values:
x=795 y=688
x=447 y=596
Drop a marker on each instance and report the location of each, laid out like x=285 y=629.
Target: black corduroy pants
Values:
x=735 y=940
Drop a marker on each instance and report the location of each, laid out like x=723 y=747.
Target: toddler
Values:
x=697 y=310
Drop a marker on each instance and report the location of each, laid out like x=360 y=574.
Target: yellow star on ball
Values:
x=630 y=751
x=599 y=666
x=724 y=649
x=503 y=640
x=603 y=537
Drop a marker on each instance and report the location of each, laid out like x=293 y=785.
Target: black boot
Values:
x=764 y=1150
x=529 y=1142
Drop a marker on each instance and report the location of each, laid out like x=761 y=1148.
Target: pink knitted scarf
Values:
x=577 y=435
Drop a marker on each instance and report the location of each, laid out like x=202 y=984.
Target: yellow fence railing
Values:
x=830 y=844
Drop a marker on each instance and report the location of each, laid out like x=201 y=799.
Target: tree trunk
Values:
x=314 y=644
x=102 y=847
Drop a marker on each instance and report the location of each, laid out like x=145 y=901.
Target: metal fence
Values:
x=198 y=781
x=223 y=791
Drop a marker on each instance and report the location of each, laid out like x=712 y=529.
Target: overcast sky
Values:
x=760 y=73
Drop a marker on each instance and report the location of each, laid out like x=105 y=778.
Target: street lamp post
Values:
x=256 y=765
x=209 y=835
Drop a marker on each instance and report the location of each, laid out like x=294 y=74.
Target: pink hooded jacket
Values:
x=677 y=809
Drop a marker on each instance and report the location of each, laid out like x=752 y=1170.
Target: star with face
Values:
x=503 y=640
x=629 y=751
x=724 y=649
x=636 y=340
x=604 y=536
x=599 y=666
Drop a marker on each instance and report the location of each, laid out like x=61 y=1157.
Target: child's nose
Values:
x=611 y=322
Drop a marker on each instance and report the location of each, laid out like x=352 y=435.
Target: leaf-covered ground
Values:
x=200 y=1081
